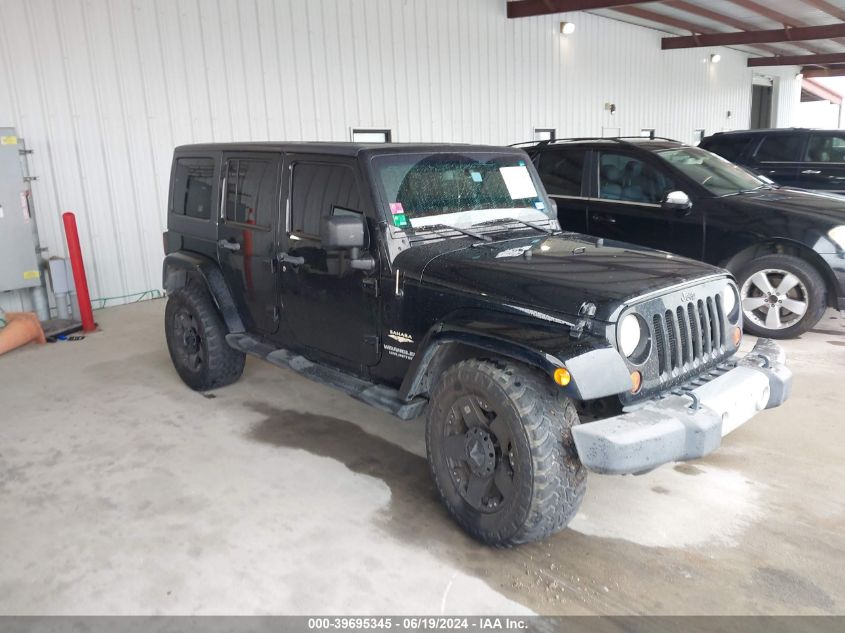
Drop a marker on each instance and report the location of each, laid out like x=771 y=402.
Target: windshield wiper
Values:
x=530 y=225
x=435 y=227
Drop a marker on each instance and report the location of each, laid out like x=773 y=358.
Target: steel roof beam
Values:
x=715 y=16
x=798 y=60
x=798 y=34
x=528 y=8
x=809 y=73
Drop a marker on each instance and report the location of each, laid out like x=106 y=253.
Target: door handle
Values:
x=229 y=245
x=811 y=171
x=607 y=219
x=290 y=259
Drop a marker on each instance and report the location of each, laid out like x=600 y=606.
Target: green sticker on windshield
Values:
x=400 y=220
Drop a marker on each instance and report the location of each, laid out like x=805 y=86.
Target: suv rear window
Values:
x=562 y=171
x=726 y=147
x=780 y=148
x=193 y=182
x=826 y=148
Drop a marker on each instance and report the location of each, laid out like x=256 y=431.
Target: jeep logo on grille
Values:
x=689 y=295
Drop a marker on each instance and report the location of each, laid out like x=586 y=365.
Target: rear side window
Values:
x=562 y=171
x=193 y=182
x=728 y=148
x=780 y=148
x=250 y=191
x=319 y=191
x=826 y=148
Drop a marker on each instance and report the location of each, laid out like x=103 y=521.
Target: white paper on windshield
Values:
x=518 y=181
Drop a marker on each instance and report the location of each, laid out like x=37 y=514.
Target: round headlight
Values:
x=630 y=334
x=728 y=299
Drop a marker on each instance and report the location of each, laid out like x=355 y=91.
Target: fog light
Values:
x=737 y=336
x=562 y=376
x=636 y=381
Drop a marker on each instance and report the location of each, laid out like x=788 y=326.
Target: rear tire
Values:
x=196 y=339
x=501 y=452
x=770 y=285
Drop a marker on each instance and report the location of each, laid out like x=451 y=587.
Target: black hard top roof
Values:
x=343 y=149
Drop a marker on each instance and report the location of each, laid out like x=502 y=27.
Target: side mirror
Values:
x=676 y=201
x=341 y=232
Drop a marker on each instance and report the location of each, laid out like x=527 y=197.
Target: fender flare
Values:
x=180 y=266
x=596 y=368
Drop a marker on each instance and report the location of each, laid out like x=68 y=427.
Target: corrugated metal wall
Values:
x=103 y=90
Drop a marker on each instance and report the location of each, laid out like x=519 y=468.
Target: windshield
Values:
x=717 y=175
x=426 y=191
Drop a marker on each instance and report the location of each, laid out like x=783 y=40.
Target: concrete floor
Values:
x=121 y=491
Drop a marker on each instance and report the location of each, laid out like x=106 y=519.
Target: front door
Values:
x=330 y=307
x=626 y=206
x=248 y=233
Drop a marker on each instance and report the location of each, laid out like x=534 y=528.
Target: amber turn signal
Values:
x=562 y=376
x=737 y=336
x=636 y=381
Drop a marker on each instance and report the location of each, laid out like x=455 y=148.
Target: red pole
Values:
x=79 y=279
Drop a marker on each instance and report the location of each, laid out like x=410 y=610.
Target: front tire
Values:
x=196 y=339
x=782 y=296
x=501 y=452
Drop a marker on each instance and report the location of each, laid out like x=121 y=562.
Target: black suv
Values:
x=793 y=157
x=785 y=246
x=436 y=278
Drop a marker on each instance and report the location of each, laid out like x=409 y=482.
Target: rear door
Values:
x=824 y=166
x=248 y=235
x=563 y=172
x=777 y=156
x=625 y=204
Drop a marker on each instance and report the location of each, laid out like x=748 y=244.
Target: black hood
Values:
x=813 y=208
x=549 y=273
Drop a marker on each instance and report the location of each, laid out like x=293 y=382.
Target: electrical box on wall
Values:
x=18 y=258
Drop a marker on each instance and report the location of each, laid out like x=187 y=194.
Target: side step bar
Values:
x=377 y=396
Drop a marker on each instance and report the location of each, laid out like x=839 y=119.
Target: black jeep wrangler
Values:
x=436 y=279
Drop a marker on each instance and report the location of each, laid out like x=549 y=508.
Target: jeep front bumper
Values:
x=681 y=427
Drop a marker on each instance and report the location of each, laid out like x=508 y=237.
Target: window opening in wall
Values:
x=368 y=135
x=545 y=134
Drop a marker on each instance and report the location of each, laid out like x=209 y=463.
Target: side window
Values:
x=193 y=182
x=780 y=148
x=562 y=171
x=250 y=191
x=728 y=148
x=625 y=177
x=826 y=148
x=320 y=191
